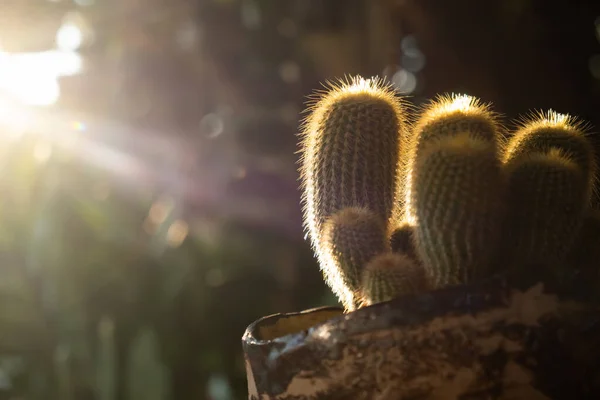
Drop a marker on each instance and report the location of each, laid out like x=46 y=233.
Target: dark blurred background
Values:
x=149 y=206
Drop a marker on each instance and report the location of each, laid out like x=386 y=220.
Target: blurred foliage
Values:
x=100 y=306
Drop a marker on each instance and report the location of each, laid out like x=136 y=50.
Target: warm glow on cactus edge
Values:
x=319 y=106
x=445 y=105
x=322 y=100
x=409 y=216
x=333 y=277
x=540 y=120
x=456 y=102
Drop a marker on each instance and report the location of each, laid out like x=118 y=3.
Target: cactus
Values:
x=544 y=131
x=550 y=168
x=457 y=198
x=391 y=275
x=447 y=115
x=442 y=193
x=547 y=202
x=456 y=189
x=402 y=240
x=350 y=158
x=354 y=236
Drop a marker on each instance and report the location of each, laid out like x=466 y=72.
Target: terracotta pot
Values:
x=486 y=341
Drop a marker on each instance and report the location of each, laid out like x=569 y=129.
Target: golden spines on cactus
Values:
x=391 y=275
x=349 y=158
x=542 y=132
x=457 y=201
x=550 y=168
x=354 y=236
x=447 y=115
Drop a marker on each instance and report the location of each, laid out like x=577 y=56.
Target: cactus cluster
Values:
x=396 y=203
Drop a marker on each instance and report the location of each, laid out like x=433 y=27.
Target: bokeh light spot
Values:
x=405 y=81
x=187 y=36
x=289 y=72
x=211 y=125
x=409 y=45
x=69 y=37
x=251 y=17
x=79 y=126
x=414 y=61
x=159 y=212
x=177 y=233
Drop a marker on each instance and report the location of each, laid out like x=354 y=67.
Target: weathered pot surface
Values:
x=483 y=341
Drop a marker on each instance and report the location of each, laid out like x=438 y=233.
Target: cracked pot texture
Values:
x=491 y=340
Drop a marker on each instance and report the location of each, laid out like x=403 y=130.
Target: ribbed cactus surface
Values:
x=551 y=130
x=457 y=199
x=550 y=169
x=446 y=116
x=456 y=189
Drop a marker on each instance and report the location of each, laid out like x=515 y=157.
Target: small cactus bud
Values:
x=402 y=240
x=391 y=275
x=354 y=236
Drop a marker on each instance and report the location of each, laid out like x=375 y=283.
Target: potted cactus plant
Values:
x=464 y=256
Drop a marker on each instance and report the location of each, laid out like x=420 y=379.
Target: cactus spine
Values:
x=550 y=166
x=391 y=275
x=350 y=158
x=456 y=189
